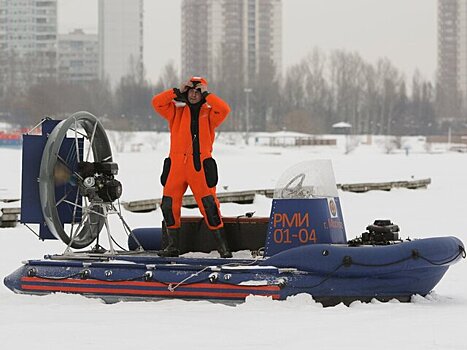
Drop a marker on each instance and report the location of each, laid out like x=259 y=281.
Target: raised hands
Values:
x=202 y=88
x=185 y=86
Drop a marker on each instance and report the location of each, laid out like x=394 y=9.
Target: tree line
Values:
x=324 y=89
x=312 y=95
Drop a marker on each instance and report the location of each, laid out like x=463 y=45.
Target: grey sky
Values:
x=402 y=30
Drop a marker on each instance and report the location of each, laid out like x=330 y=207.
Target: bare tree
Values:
x=169 y=77
x=133 y=99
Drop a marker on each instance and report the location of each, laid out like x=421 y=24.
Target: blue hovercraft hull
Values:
x=330 y=273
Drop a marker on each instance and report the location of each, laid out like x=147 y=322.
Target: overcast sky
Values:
x=402 y=30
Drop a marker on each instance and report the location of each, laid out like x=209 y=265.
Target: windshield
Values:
x=309 y=179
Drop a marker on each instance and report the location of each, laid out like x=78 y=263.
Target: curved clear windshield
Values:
x=309 y=179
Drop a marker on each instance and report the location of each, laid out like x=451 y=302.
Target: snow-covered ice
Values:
x=435 y=322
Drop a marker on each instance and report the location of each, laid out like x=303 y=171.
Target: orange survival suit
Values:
x=190 y=162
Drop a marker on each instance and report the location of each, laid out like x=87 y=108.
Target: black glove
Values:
x=180 y=97
x=203 y=89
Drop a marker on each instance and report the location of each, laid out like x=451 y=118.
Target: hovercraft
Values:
x=300 y=248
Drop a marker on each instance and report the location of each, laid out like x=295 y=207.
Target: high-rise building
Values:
x=120 y=38
x=452 y=58
x=239 y=35
x=195 y=37
x=462 y=52
x=78 y=56
x=28 y=39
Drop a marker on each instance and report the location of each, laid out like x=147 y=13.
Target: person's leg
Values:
x=171 y=205
x=206 y=199
x=208 y=204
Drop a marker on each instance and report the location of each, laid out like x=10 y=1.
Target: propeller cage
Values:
x=53 y=171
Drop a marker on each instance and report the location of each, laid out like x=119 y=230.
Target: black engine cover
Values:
x=381 y=231
x=111 y=191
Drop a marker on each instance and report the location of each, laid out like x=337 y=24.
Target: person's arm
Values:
x=219 y=109
x=164 y=105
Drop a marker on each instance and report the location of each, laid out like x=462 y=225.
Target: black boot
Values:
x=222 y=246
x=172 y=248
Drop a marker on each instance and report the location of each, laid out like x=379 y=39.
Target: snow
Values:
x=434 y=322
x=341 y=125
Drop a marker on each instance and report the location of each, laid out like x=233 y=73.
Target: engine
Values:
x=97 y=181
x=381 y=232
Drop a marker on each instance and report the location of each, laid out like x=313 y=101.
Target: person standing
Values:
x=193 y=114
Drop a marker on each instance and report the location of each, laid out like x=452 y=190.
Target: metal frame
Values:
x=93 y=217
